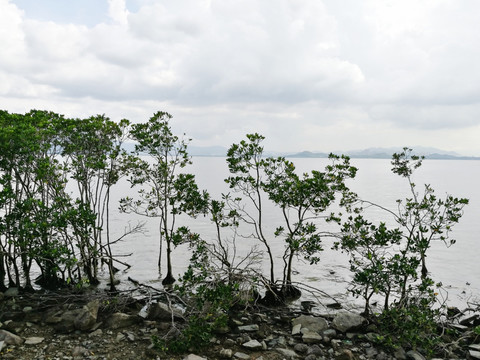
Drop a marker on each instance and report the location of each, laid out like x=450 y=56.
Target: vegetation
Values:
x=391 y=262
x=56 y=179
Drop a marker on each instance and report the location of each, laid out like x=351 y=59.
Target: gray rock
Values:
x=312 y=323
x=301 y=348
x=242 y=356
x=474 y=354
x=252 y=345
x=345 y=321
x=331 y=333
x=87 y=317
x=11 y=292
x=287 y=353
x=10 y=339
x=371 y=352
x=248 y=328
x=34 y=340
x=194 y=357
x=311 y=357
x=311 y=337
x=97 y=332
x=315 y=350
x=296 y=329
x=65 y=323
x=121 y=320
x=475 y=347
x=345 y=354
x=226 y=353
x=79 y=352
x=161 y=311
x=400 y=354
x=415 y=355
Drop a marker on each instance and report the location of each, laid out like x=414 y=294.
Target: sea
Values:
x=456 y=267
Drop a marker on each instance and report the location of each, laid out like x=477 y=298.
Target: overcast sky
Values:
x=318 y=75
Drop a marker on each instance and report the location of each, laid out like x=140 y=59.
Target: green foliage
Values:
x=302 y=199
x=166 y=192
x=413 y=325
x=40 y=152
x=196 y=335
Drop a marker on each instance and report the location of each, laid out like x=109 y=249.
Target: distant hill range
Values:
x=386 y=153
x=370 y=153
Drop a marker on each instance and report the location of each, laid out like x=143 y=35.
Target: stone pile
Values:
x=68 y=332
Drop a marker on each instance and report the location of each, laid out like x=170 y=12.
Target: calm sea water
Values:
x=457 y=267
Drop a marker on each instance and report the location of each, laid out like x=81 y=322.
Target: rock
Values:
x=474 y=354
x=11 y=292
x=121 y=320
x=415 y=355
x=345 y=321
x=371 y=352
x=79 y=352
x=2 y=344
x=312 y=323
x=345 y=354
x=475 y=347
x=400 y=354
x=65 y=323
x=241 y=356
x=34 y=340
x=226 y=353
x=331 y=333
x=97 y=332
x=301 y=348
x=194 y=357
x=310 y=357
x=287 y=353
x=311 y=337
x=87 y=317
x=161 y=311
x=248 y=328
x=315 y=350
x=296 y=329
x=252 y=345
x=10 y=339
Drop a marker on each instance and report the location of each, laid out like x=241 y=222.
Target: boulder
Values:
x=121 y=320
x=311 y=337
x=415 y=355
x=248 y=328
x=226 y=353
x=312 y=323
x=34 y=340
x=287 y=353
x=10 y=339
x=11 y=292
x=345 y=321
x=65 y=323
x=242 y=356
x=87 y=317
x=193 y=357
x=253 y=345
x=162 y=312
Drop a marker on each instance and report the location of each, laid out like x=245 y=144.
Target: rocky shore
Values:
x=95 y=326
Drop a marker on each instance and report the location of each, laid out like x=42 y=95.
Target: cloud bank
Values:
x=309 y=75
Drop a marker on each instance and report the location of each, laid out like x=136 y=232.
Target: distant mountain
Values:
x=386 y=153
x=370 y=153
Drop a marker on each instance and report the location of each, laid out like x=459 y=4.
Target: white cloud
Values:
x=117 y=11
x=309 y=72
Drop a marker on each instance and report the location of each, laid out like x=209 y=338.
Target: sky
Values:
x=314 y=75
